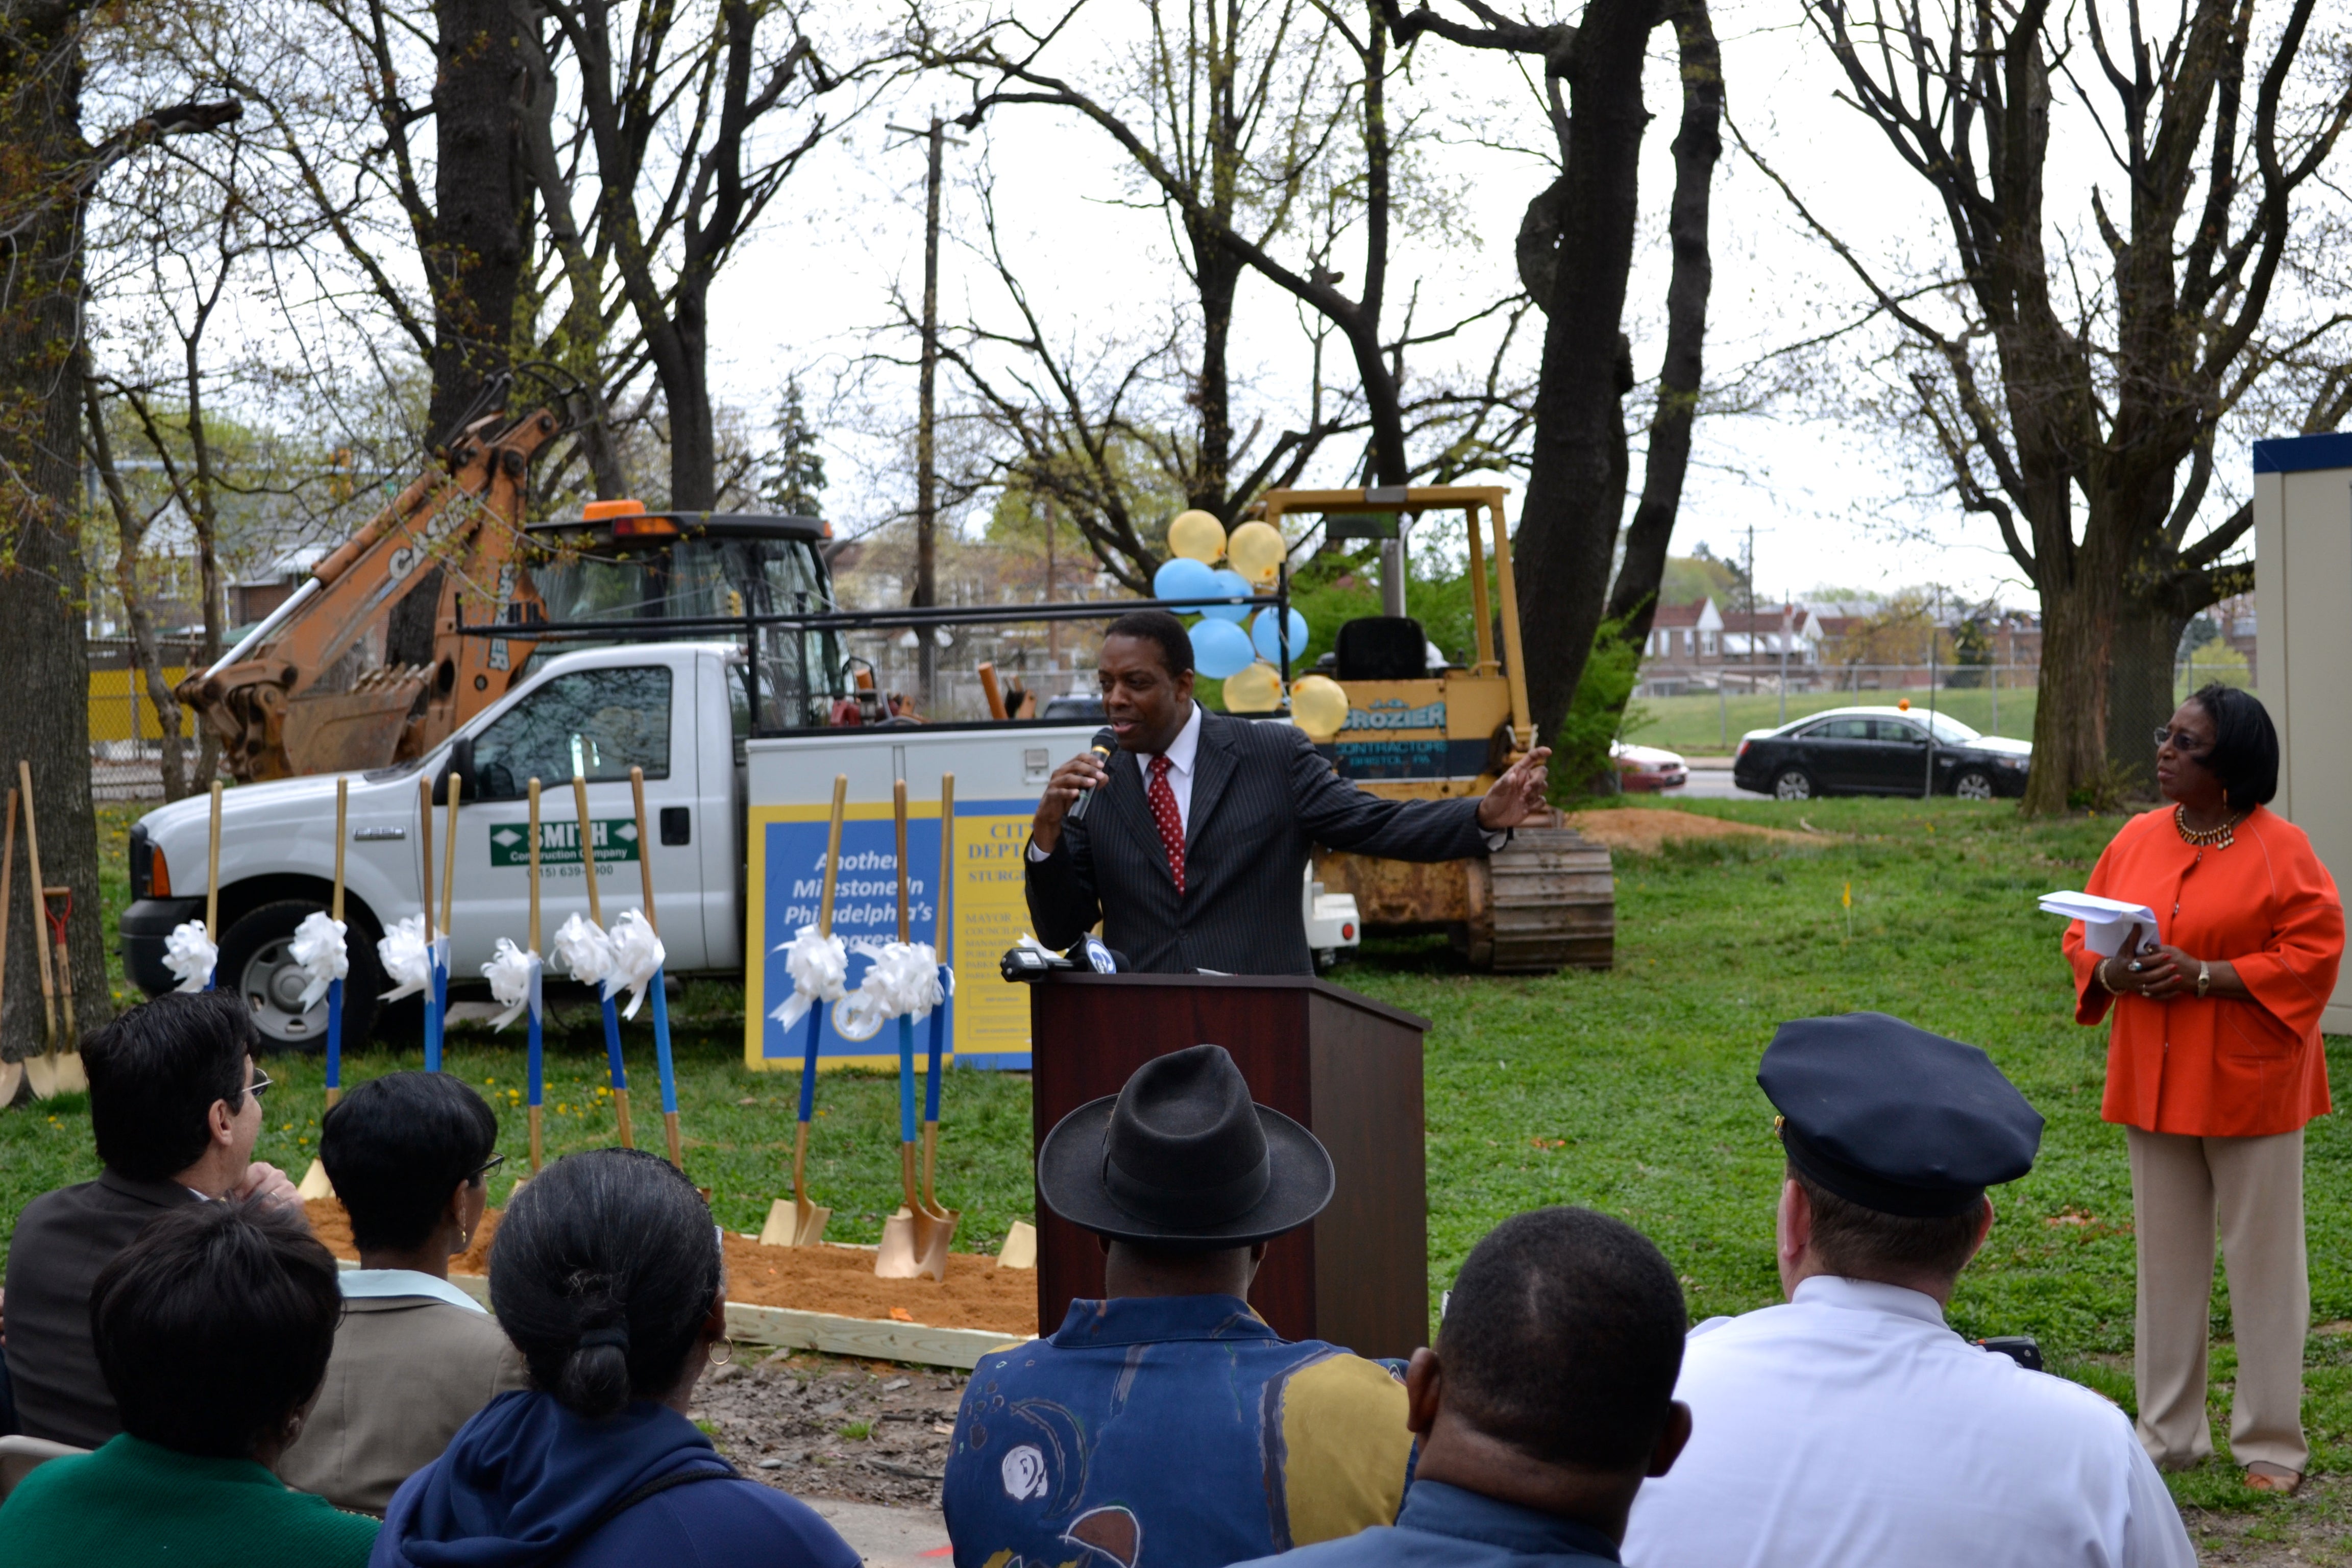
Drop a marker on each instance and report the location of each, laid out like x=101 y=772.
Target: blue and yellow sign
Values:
x=988 y=1021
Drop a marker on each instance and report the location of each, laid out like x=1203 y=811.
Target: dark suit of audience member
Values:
x=1193 y=854
x=409 y=1154
x=1547 y=1402
x=175 y=1112
x=608 y=1277
x=212 y=1330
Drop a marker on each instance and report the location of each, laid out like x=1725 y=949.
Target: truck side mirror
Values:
x=461 y=763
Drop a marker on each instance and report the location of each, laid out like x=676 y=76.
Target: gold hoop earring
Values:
x=722 y=1352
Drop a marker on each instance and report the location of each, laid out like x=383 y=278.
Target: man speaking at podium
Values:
x=1193 y=852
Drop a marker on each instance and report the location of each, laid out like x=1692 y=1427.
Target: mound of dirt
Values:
x=976 y=1294
x=1646 y=829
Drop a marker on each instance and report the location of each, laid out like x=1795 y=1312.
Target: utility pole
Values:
x=927 y=522
x=1788 y=628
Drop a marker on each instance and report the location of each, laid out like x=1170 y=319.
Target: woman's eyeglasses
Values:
x=482 y=1171
x=2180 y=741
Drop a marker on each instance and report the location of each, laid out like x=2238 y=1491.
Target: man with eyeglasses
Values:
x=175 y=1108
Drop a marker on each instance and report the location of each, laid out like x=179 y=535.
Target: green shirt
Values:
x=134 y=1505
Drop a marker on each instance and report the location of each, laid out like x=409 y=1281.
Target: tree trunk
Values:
x=2139 y=692
x=1633 y=601
x=42 y=646
x=474 y=261
x=1576 y=482
x=686 y=390
x=2069 y=740
x=1218 y=276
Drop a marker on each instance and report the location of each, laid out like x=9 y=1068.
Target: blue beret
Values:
x=1886 y=1115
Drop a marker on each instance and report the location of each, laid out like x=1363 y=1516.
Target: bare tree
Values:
x=1099 y=432
x=45 y=184
x=1575 y=255
x=1005 y=60
x=682 y=130
x=2075 y=398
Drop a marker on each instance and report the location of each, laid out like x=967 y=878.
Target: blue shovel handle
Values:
x=905 y=1079
x=538 y=1061
x=334 y=1034
x=808 y=1060
x=661 y=1049
x=939 y=1044
x=613 y=1046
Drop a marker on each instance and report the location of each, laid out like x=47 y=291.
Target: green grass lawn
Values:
x=1632 y=1091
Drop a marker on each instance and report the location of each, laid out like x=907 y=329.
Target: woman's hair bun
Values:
x=604 y=1271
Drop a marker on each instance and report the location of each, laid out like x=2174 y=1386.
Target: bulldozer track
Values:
x=1545 y=901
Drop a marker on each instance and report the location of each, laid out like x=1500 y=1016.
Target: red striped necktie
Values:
x=1167 y=820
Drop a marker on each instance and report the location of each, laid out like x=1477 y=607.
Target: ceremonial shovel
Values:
x=618 y=1071
x=944 y=1226
x=12 y=1074
x=915 y=1239
x=535 y=1082
x=806 y=1225
x=59 y=1071
x=662 y=1064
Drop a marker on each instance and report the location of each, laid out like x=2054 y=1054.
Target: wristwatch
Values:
x=2204 y=977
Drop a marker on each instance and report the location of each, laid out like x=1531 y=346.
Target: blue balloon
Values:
x=1229 y=582
x=1220 y=649
x=1183 y=579
x=1266 y=633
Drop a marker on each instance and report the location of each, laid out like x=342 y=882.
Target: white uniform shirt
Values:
x=1851 y=1428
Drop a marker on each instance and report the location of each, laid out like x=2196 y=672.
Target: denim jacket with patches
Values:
x=1170 y=1431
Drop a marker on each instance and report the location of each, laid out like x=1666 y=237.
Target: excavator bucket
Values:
x=345 y=731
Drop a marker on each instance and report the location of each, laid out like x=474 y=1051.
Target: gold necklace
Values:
x=2220 y=837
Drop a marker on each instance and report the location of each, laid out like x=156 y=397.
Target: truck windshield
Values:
x=667 y=579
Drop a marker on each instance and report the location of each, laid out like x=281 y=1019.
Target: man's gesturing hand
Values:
x=1516 y=793
x=1071 y=780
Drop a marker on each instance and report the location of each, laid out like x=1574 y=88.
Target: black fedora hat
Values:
x=1181 y=1157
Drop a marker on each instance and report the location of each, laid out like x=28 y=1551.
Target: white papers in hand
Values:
x=2106 y=922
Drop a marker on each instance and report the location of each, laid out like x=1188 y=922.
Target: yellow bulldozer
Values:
x=1420 y=728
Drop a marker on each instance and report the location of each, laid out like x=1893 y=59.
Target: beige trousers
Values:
x=2180 y=1185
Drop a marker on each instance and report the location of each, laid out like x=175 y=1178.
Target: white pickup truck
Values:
x=730 y=822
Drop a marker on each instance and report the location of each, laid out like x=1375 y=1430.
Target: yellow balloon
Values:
x=1256 y=551
x=1319 y=706
x=1196 y=536
x=1257 y=689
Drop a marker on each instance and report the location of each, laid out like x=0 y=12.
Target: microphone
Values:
x=1104 y=745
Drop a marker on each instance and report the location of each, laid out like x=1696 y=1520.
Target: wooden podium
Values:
x=1346 y=1065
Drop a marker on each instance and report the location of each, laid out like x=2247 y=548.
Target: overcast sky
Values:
x=1831 y=501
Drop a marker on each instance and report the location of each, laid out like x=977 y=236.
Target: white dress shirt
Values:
x=1182 y=752
x=1851 y=1428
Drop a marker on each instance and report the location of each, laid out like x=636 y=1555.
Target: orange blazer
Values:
x=2216 y=1068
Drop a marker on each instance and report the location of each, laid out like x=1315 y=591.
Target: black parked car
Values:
x=1879 y=751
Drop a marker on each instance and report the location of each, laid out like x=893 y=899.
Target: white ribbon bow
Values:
x=819 y=967
x=317 y=947
x=407 y=962
x=189 y=954
x=636 y=958
x=513 y=974
x=903 y=981
x=582 y=948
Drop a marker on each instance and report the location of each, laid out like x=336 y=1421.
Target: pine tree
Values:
x=795 y=478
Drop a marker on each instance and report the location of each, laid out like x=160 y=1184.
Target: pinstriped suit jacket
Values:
x=1262 y=797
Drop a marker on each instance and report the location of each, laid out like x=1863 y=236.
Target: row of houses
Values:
x=1862 y=644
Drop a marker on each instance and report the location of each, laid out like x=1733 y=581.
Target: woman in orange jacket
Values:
x=2214 y=1064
